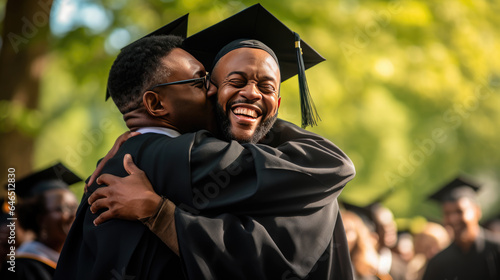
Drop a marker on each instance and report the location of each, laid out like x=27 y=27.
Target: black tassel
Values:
x=309 y=114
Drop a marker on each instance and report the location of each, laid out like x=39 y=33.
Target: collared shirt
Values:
x=159 y=130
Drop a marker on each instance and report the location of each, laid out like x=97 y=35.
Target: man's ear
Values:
x=153 y=104
x=279 y=102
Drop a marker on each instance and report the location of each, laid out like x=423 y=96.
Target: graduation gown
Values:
x=34 y=261
x=275 y=210
x=28 y=269
x=482 y=261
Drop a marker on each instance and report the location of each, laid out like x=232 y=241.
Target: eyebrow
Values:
x=241 y=73
x=199 y=74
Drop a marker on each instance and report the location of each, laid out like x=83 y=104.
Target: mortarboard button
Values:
x=177 y=27
x=56 y=176
x=456 y=189
x=255 y=22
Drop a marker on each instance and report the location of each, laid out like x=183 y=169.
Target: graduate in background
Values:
x=362 y=247
x=427 y=243
x=47 y=207
x=474 y=253
x=381 y=223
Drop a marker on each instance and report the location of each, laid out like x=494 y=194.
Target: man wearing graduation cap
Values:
x=474 y=253
x=380 y=221
x=47 y=207
x=243 y=194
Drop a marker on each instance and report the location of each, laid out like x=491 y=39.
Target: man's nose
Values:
x=251 y=92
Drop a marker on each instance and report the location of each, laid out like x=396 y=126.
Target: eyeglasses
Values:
x=205 y=80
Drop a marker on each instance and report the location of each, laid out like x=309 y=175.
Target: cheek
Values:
x=223 y=97
x=49 y=220
x=56 y=217
x=272 y=104
x=469 y=215
x=447 y=218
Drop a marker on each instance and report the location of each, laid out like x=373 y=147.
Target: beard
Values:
x=224 y=125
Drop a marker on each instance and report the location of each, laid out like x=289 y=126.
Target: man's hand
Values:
x=118 y=143
x=128 y=198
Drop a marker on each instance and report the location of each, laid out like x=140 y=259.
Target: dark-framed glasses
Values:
x=205 y=80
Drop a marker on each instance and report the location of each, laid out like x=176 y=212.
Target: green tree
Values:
x=409 y=89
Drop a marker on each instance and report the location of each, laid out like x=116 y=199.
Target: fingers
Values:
x=97 y=171
x=107 y=179
x=99 y=193
x=132 y=134
x=104 y=216
x=129 y=165
x=124 y=137
x=118 y=143
x=98 y=204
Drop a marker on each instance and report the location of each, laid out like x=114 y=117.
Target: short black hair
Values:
x=138 y=67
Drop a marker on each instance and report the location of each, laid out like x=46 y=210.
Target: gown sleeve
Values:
x=257 y=211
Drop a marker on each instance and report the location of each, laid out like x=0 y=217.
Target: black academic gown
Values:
x=482 y=261
x=275 y=211
x=28 y=268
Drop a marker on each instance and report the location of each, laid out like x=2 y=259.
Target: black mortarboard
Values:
x=177 y=27
x=54 y=177
x=456 y=189
x=255 y=22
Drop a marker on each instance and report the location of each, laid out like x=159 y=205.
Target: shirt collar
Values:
x=159 y=130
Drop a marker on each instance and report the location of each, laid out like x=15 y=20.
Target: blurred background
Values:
x=410 y=90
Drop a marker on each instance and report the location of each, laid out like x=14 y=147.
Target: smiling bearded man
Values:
x=247 y=78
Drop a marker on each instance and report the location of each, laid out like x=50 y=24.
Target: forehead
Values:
x=250 y=61
x=461 y=203
x=57 y=196
x=178 y=60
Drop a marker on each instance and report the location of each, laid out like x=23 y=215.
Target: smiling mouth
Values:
x=246 y=111
x=240 y=111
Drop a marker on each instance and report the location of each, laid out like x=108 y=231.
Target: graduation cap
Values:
x=177 y=27
x=456 y=189
x=257 y=23
x=57 y=176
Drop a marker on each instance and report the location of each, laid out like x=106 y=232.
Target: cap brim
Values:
x=256 y=23
x=451 y=190
x=27 y=186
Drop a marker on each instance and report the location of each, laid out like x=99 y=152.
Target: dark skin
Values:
x=248 y=90
x=61 y=205
x=182 y=107
x=243 y=74
x=462 y=216
x=136 y=203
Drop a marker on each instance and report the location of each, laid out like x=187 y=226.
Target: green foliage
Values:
x=410 y=89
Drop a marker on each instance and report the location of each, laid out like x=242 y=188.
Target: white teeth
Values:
x=245 y=111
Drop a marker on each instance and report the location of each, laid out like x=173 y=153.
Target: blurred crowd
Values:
x=47 y=208
x=435 y=250
x=40 y=217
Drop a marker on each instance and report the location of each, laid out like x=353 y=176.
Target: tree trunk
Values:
x=22 y=62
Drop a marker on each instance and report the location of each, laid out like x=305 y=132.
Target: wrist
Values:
x=154 y=203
